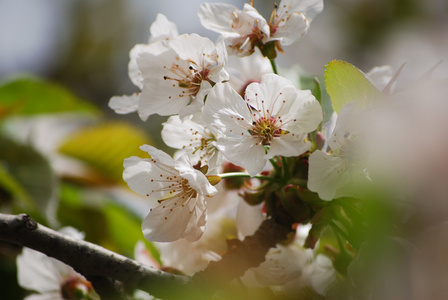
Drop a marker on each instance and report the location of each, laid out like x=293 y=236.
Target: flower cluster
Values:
x=212 y=120
x=304 y=160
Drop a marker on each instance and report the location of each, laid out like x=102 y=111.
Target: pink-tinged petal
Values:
x=226 y=111
x=124 y=104
x=293 y=27
x=175 y=219
x=246 y=153
x=246 y=70
x=162 y=29
x=288 y=145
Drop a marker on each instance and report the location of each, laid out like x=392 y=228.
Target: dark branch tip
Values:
x=30 y=224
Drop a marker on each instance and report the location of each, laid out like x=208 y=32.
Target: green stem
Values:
x=275 y=166
x=285 y=167
x=274 y=66
x=338 y=230
x=239 y=174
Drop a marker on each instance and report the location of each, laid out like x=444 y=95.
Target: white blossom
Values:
x=245 y=70
x=220 y=226
x=274 y=119
x=339 y=172
x=246 y=29
x=162 y=31
x=291 y=19
x=180 y=190
x=193 y=138
x=243 y=29
x=177 y=80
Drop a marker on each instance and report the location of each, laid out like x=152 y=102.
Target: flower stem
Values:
x=240 y=174
x=285 y=167
x=274 y=66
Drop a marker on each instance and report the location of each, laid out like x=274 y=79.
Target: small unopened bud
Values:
x=320 y=140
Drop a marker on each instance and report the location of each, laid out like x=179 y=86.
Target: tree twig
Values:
x=94 y=261
x=89 y=259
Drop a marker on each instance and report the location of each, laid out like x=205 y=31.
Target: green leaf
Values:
x=28 y=178
x=324 y=100
x=104 y=147
x=346 y=83
x=30 y=96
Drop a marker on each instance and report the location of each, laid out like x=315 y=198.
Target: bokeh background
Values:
x=84 y=46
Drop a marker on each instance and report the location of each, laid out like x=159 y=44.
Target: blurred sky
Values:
x=84 y=44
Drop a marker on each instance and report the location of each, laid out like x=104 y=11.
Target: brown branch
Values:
x=89 y=259
x=96 y=262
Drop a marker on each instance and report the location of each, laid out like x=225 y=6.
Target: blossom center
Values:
x=188 y=79
x=266 y=129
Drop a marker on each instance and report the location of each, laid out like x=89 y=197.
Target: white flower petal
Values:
x=248 y=219
x=305 y=115
x=245 y=153
x=171 y=221
x=124 y=104
x=226 y=111
x=178 y=133
x=134 y=72
x=193 y=47
x=245 y=70
x=159 y=155
x=288 y=145
x=269 y=90
x=217 y=17
x=162 y=29
x=327 y=174
x=148 y=176
x=159 y=95
x=310 y=8
x=47 y=296
x=38 y=272
x=195 y=178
